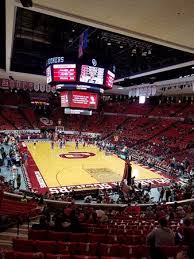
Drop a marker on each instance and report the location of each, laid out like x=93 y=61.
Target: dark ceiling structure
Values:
x=39 y=36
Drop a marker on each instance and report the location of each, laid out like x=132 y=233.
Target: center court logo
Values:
x=76 y=155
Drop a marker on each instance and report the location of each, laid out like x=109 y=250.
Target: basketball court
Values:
x=87 y=165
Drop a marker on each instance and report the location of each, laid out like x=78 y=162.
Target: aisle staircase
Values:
x=7 y=236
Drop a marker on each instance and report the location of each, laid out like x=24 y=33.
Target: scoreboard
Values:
x=79 y=84
x=63 y=73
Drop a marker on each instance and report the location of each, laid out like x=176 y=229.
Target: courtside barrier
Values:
x=101 y=205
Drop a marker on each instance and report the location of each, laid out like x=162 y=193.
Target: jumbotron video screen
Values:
x=80 y=85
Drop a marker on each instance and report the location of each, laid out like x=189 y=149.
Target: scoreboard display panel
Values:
x=77 y=111
x=79 y=99
x=109 y=80
x=64 y=72
x=93 y=75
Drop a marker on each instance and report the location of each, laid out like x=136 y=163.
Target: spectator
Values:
x=161 y=194
x=188 y=236
x=161 y=236
x=168 y=194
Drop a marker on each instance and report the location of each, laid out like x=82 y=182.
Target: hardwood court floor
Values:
x=99 y=168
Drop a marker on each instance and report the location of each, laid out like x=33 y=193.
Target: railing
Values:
x=58 y=204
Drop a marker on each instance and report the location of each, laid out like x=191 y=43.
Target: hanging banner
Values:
x=42 y=88
x=4 y=83
x=36 y=87
x=24 y=85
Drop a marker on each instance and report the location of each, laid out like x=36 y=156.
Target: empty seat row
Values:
x=24 y=255
x=126 y=238
x=89 y=249
x=93 y=249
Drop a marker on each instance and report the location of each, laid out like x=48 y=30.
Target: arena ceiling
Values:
x=134 y=35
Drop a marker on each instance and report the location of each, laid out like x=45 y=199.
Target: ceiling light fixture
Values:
x=121 y=46
x=109 y=43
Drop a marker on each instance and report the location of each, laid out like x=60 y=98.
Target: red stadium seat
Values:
x=20 y=255
x=37 y=234
x=134 y=239
x=67 y=247
x=84 y=257
x=78 y=237
x=109 y=250
x=110 y=239
x=112 y=257
x=23 y=245
x=46 y=246
x=58 y=236
x=128 y=251
x=88 y=248
x=58 y=256
x=96 y=238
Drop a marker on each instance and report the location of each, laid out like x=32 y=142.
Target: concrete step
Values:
x=10 y=236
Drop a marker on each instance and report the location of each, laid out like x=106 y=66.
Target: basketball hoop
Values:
x=59 y=128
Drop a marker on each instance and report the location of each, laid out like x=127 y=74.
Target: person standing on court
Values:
x=18 y=181
x=61 y=144
x=76 y=144
x=52 y=144
x=25 y=158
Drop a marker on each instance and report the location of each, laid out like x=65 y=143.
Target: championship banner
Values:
x=24 y=85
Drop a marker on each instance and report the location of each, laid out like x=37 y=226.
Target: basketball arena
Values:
x=96 y=129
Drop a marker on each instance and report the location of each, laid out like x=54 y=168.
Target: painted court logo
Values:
x=76 y=155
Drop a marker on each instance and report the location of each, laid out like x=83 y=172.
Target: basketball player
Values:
x=34 y=145
x=52 y=144
x=77 y=144
x=61 y=144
